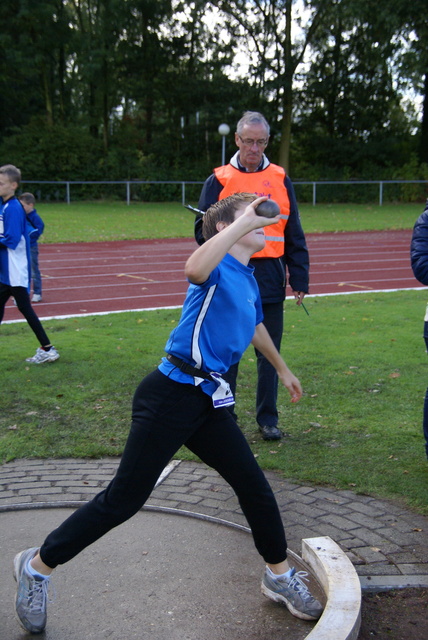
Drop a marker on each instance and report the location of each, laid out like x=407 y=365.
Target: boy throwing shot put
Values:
x=184 y=402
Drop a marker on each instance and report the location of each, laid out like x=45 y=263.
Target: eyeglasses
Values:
x=247 y=142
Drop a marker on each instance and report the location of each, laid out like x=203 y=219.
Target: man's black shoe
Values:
x=270 y=433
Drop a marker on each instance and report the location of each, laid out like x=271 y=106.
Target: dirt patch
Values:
x=395 y=615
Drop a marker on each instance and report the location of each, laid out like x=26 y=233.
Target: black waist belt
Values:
x=185 y=367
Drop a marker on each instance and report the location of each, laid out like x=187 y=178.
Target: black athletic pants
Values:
x=23 y=303
x=166 y=415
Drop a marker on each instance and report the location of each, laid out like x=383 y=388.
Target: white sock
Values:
x=276 y=576
x=35 y=573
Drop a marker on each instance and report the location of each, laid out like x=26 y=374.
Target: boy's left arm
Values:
x=37 y=222
x=263 y=343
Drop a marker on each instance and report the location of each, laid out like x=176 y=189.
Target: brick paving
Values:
x=387 y=544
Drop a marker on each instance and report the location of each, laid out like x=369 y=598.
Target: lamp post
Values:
x=223 y=130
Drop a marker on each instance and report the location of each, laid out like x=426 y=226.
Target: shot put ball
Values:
x=268 y=209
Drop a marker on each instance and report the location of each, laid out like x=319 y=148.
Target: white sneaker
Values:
x=44 y=356
x=37 y=297
x=31 y=597
x=293 y=593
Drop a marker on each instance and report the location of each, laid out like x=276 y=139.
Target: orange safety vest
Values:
x=269 y=182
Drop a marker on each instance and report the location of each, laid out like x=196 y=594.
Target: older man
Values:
x=249 y=170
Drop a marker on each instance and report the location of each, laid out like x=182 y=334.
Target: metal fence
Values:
x=377 y=191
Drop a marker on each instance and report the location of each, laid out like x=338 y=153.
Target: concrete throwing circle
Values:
x=157 y=577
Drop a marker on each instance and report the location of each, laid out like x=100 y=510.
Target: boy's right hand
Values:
x=258 y=220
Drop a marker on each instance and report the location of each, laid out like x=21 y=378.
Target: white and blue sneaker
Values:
x=44 y=356
x=292 y=592
x=31 y=595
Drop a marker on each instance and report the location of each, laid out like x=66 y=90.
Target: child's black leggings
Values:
x=167 y=414
x=23 y=303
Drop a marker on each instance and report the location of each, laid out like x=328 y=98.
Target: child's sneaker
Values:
x=44 y=356
x=31 y=594
x=293 y=593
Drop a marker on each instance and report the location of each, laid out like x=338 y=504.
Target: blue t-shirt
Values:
x=217 y=323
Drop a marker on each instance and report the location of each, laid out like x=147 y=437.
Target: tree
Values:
x=34 y=41
x=276 y=55
x=350 y=102
x=412 y=63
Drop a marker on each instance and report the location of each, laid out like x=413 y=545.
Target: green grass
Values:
x=104 y=221
x=360 y=358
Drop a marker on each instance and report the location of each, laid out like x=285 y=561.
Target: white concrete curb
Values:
x=341 y=619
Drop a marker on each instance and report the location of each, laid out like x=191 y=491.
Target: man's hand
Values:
x=298 y=296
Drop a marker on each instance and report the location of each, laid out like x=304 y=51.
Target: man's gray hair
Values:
x=252 y=117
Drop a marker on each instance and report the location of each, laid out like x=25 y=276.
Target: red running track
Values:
x=102 y=277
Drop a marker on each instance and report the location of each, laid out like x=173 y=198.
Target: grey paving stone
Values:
x=22 y=486
x=78 y=482
x=323 y=494
x=13 y=500
x=403 y=557
x=347 y=493
x=399 y=538
x=6 y=476
x=339 y=522
x=309 y=511
x=370 y=537
x=330 y=506
x=413 y=569
x=377 y=570
x=353 y=543
x=305 y=490
x=353 y=557
x=185 y=498
x=368 y=509
x=65 y=497
x=6 y=495
x=203 y=493
x=47 y=491
x=421 y=552
x=371 y=555
x=97 y=477
x=284 y=499
x=365 y=521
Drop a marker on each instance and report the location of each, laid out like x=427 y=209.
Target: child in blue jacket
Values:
x=35 y=230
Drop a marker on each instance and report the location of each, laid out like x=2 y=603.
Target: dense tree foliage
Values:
x=136 y=89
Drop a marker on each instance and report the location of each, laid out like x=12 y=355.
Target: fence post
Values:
x=380 y=193
x=314 y=193
x=67 y=190
x=128 y=193
x=183 y=193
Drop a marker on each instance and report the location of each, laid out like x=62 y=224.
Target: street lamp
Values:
x=223 y=130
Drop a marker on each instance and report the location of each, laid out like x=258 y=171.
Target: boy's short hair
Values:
x=224 y=211
x=28 y=198
x=12 y=172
